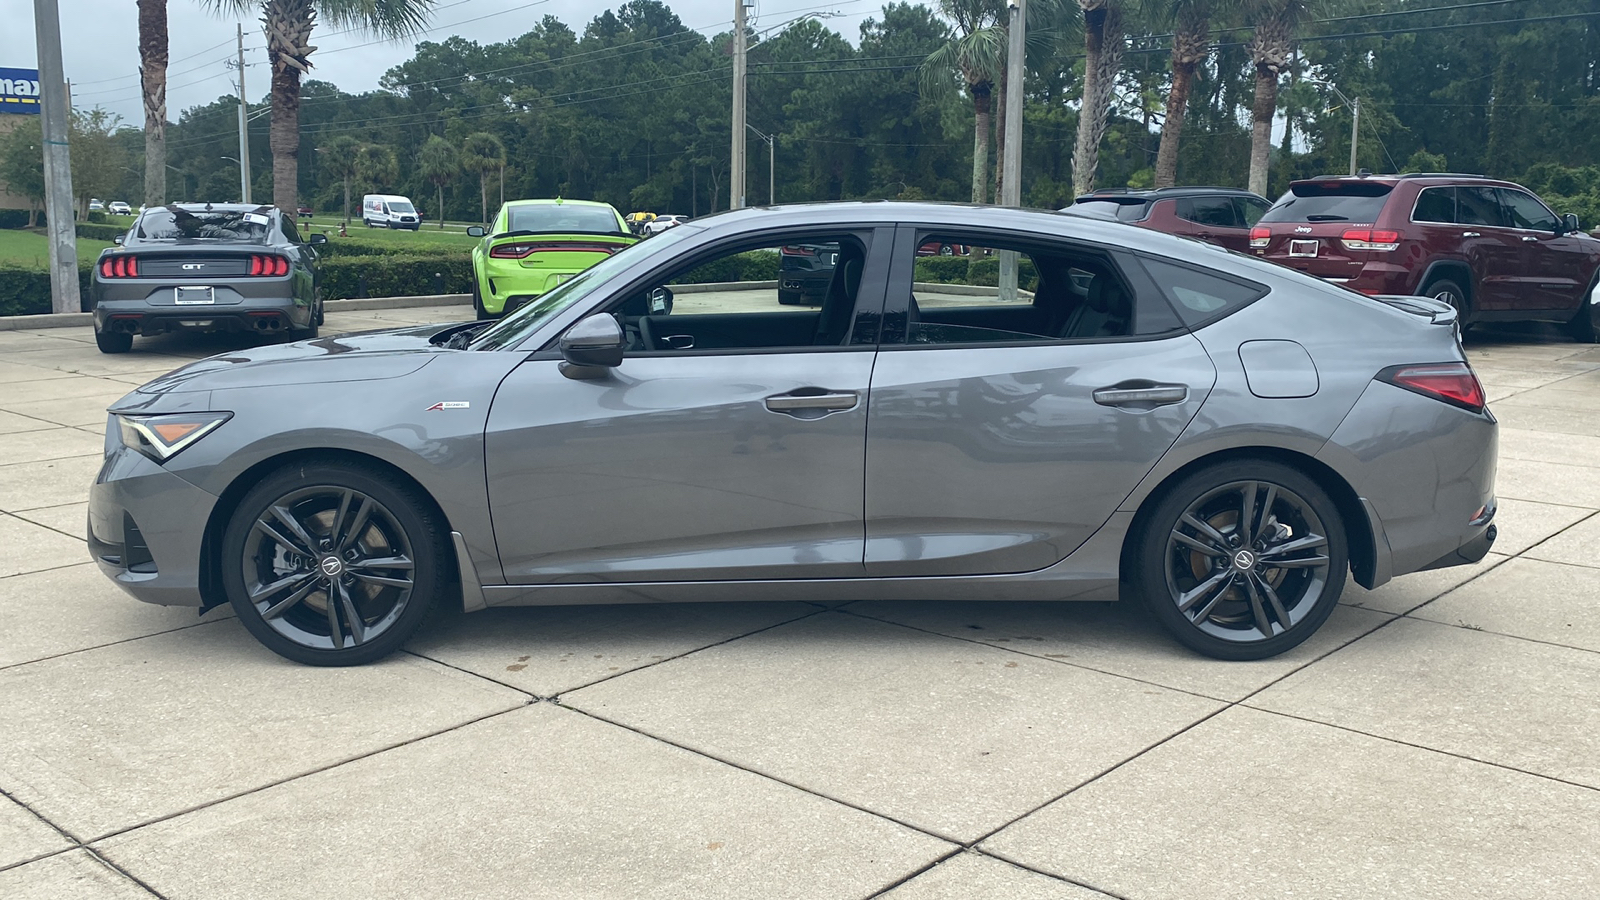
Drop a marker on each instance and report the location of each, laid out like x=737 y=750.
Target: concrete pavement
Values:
x=1438 y=738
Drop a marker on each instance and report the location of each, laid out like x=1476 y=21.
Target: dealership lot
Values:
x=1440 y=737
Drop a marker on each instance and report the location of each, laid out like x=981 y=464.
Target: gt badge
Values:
x=449 y=404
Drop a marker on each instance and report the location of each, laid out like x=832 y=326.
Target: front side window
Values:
x=1437 y=204
x=1526 y=211
x=1217 y=212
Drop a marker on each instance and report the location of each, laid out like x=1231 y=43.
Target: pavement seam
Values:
x=309 y=772
x=21 y=518
x=74 y=652
x=53 y=827
x=1519 y=555
x=915 y=873
x=104 y=861
x=1028 y=868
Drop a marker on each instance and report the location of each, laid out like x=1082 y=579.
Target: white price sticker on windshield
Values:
x=257 y=219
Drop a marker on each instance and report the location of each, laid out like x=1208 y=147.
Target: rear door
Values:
x=1000 y=439
x=1214 y=219
x=1554 y=266
x=1491 y=246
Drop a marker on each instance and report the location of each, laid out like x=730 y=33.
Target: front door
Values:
x=729 y=444
x=1004 y=432
x=1554 y=266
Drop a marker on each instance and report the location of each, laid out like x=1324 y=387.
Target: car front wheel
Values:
x=1242 y=560
x=334 y=563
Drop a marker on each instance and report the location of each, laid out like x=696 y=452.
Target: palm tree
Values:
x=1270 y=46
x=481 y=154
x=287 y=25
x=153 y=83
x=377 y=167
x=339 y=159
x=438 y=162
x=1190 y=21
x=1103 y=46
x=976 y=51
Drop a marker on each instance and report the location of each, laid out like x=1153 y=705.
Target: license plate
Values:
x=194 y=296
x=1303 y=248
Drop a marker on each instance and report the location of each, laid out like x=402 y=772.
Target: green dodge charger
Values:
x=537 y=244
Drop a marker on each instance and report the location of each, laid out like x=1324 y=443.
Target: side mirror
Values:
x=592 y=347
x=318 y=239
x=476 y=231
x=660 y=301
x=1569 y=224
x=117 y=240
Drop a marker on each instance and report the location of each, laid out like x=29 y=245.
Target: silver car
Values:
x=1138 y=416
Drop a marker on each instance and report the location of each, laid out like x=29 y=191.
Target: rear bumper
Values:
x=256 y=315
x=145 y=529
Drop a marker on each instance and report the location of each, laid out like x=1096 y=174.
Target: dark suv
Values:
x=1216 y=214
x=1490 y=248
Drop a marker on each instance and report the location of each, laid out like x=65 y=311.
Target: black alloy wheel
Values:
x=333 y=564
x=1243 y=560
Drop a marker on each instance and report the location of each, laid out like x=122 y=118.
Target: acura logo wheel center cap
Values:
x=1244 y=560
x=331 y=566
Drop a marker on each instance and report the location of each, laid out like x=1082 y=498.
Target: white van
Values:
x=389 y=211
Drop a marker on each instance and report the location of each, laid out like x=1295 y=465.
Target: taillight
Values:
x=522 y=251
x=264 y=266
x=798 y=251
x=1368 y=239
x=119 y=267
x=511 y=251
x=1260 y=237
x=1454 y=383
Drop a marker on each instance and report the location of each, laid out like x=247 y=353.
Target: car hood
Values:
x=366 y=356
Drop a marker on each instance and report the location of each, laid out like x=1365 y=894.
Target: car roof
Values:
x=1116 y=195
x=553 y=201
x=1428 y=179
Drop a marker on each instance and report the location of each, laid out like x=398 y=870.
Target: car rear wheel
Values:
x=1585 y=326
x=1447 y=291
x=1242 y=560
x=333 y=563
x=477 y=302
x=109 y=342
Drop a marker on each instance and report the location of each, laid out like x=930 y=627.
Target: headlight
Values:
x=161 y=437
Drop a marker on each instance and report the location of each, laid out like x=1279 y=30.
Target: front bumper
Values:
x=146 y=526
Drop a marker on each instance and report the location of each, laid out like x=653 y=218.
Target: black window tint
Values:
x=289 y=231
x=1436 y=205
x=1354 y=201
x=1479 y=206
x=1526 y=211
x=1198 y=296
x=1251 y=210
x=1217 y=212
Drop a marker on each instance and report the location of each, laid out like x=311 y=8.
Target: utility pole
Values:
x=1355 y=129
x=244 y=127
x=56 y=115
x=736 y=163
x=772 y=180
x=1011 y=164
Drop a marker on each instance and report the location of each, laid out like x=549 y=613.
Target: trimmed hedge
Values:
x=941 y=269
x=17 y=218
x=754 y=265
x=986 y=271
x=26 y=292
x=394 y=275
x=99 y=232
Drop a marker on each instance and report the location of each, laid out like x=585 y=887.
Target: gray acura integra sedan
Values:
x=1145 y=417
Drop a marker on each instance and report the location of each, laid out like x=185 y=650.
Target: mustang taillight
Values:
x=1453 y=383
x=267 y=266
x=119 y=267
x=1260 y=237
x=1370 y=239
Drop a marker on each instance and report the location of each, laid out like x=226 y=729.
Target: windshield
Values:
x=564 y=218
x=531 y=316
x=175 y=223
x=401 y=206
x=1356 y=202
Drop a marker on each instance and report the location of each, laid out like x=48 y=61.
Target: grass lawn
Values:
x=429 y=237
x=30 y=249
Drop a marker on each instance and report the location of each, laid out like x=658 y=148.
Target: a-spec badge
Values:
x=449 y=404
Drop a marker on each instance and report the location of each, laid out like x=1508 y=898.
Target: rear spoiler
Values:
x=1437 y=312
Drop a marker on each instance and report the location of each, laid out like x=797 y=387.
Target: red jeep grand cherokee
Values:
x=1490 y=248
x=1217 y=215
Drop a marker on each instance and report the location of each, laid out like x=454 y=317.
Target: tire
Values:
x=1585 y=326
x=1252 y=609
x=1450 y=292
x=109 y=342
x=477 y=302
x=325 y=505
x=322 y=313
x=946 y=250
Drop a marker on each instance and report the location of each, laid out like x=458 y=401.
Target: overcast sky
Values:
x=101 y=52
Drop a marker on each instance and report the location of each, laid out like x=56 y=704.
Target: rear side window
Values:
x=1217 y=212
x=1200 y=296
x=1435 y=205
x=1251 y=210
x=1480 y=206
x=1357 y=201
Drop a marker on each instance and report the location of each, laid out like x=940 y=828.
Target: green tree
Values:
x=377 y=168
x=287 y=25
x=481 y=154
x=153 y=87
x=1270 y=45
x=339 y=161
x=976 y=52
x=22 y=164
x=1103 y=42
x=1190 y=21
x=97 y=157
x=439 y=163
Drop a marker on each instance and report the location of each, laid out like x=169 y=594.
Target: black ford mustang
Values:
x=206 y=267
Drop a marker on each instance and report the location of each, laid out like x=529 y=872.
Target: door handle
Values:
x=800 y=402
x=1144 y=397
x=1470 y=234
x=1529 y=237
